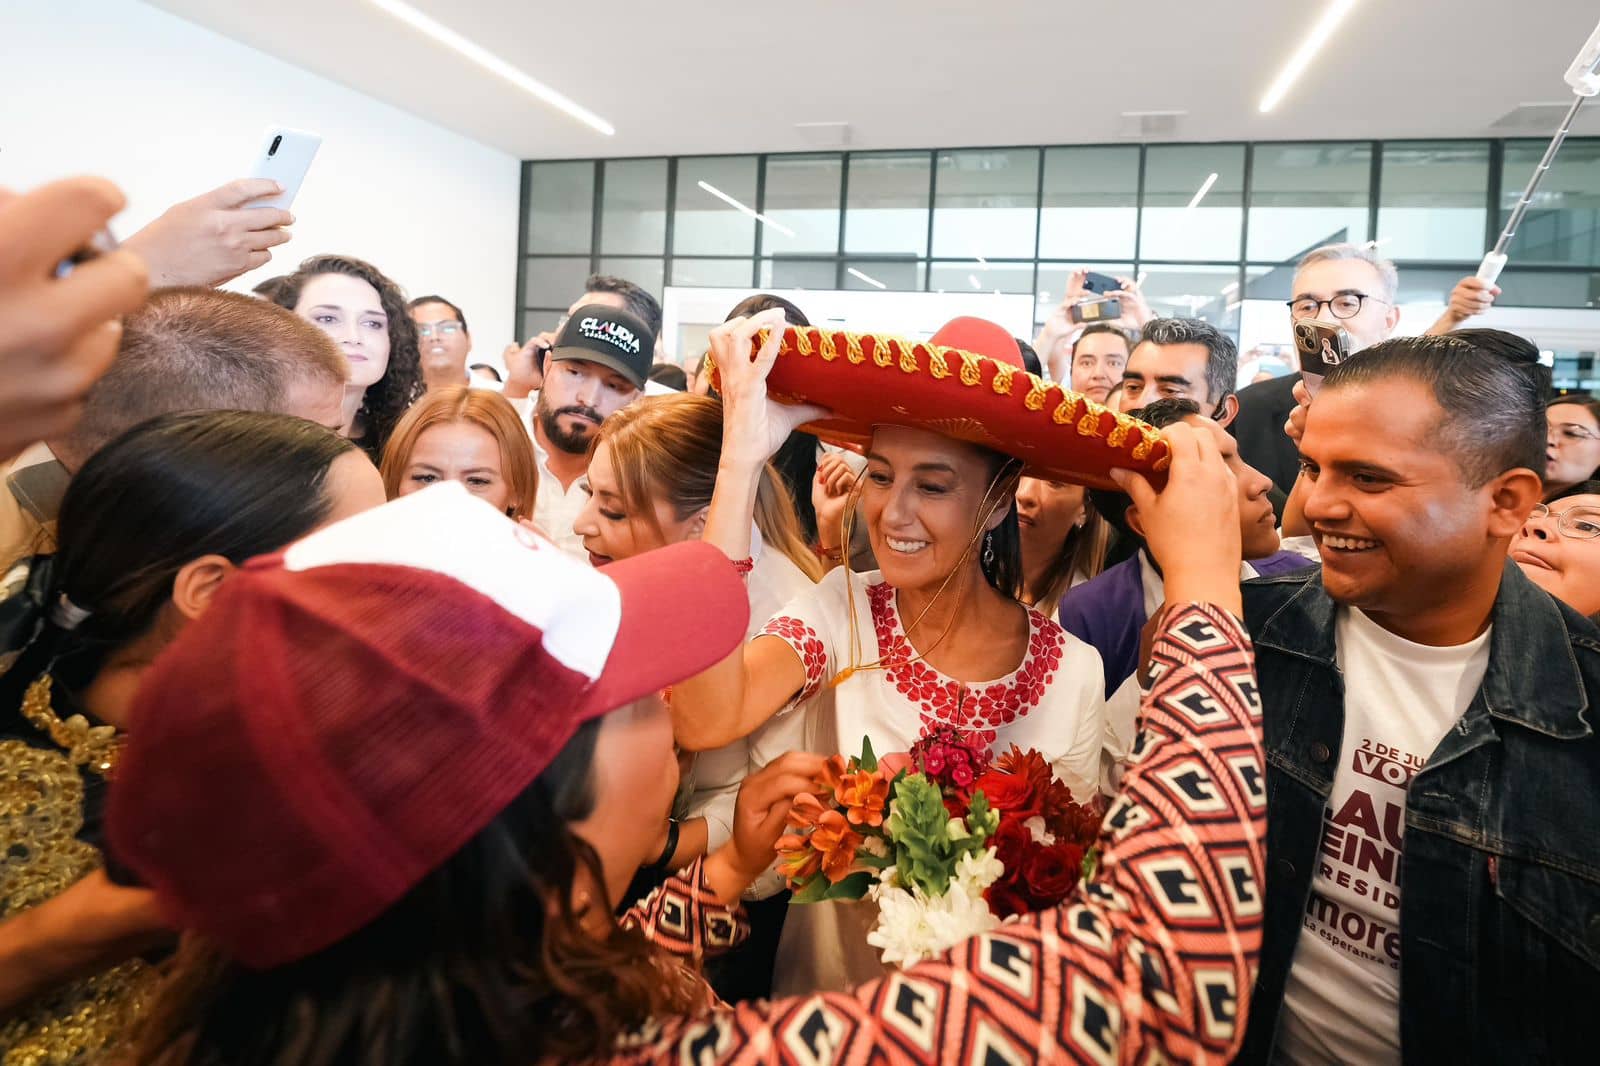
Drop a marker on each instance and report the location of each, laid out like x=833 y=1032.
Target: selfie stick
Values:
x=1584 y=77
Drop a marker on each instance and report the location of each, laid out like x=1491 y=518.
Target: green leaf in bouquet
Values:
x=813 y=891
x=1091 y=863
x=983 y=821
x=919 y=828
x=853 y=887
x=869 y=759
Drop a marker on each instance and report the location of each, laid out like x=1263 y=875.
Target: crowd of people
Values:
x=361 y=703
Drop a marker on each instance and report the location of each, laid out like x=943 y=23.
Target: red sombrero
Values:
x=966 y=382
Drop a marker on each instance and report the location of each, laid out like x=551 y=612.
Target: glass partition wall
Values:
x=1206 y=227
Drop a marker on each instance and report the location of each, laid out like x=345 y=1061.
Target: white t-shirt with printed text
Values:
x=1342 y=998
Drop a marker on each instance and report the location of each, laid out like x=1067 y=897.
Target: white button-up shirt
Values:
x=556 y=508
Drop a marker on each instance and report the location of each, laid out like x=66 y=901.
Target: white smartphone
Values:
x=285 y=156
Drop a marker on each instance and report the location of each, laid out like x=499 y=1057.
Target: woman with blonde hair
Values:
x=652 y=469
x=468 y=435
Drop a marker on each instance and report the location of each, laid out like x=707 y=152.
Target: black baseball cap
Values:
x=597 y=333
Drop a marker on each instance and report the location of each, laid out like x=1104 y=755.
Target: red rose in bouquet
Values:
x=1051 y=874
x=1009 y=793
x=1012 y=843
x=1044 y=836
x=1007 y=899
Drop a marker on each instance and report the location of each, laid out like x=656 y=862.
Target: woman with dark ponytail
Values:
x=149 y=529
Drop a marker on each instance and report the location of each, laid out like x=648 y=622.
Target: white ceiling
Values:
x=709 y=76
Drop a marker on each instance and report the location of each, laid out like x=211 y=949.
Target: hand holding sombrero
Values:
x=967 y=382
x=748 y=416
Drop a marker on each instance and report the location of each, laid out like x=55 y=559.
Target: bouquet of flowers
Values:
x=947 y=841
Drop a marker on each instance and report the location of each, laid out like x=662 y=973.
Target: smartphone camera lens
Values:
x=274 y=149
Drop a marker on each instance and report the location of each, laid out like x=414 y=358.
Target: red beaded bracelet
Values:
x=829 y=555
x=743 y=566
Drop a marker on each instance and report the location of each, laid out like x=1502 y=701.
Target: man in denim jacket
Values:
x=1433 y=770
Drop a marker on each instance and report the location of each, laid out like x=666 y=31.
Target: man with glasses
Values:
x=1352 y=287
x=444 y=342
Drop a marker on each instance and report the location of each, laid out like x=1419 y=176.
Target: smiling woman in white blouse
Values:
x=937 y=637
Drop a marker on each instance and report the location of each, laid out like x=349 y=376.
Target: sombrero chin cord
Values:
x=986 y=509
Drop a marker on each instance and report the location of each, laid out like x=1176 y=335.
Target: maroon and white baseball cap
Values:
x=352 y=710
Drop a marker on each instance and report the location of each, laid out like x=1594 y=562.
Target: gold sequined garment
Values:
x=41 y=814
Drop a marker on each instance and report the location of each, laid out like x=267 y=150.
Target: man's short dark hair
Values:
x=1489 y=384
x=1222 y=354
x=420 y=300
x=1167 y=412
x=1112 y=504
x=671 y=375
x=1030 y=358
x=639 y=303
x=485 y=366
x=766 y=301
x=199 y=349
x=1103 y=327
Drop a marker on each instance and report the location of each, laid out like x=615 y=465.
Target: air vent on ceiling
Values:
x=824 y=134
x=1545 y=117
x=1145 y=125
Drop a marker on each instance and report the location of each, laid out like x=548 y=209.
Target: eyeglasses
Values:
x=1579 y=523
x=1569 y=432
x=1345 y=305
x=443 y=329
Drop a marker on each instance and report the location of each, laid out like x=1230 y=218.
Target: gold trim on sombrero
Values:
x=914 y=357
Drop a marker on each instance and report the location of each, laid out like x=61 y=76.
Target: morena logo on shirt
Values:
x=614 y=334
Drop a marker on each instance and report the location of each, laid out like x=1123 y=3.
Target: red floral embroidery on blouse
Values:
x=806 y=644
x=980 y=709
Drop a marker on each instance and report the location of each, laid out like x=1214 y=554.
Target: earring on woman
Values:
x=988 y=549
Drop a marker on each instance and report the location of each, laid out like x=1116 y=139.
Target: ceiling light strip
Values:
x=1335 y=13
x=492 y=63
x=752 y=212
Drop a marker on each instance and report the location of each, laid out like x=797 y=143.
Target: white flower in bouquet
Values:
x=913 y=926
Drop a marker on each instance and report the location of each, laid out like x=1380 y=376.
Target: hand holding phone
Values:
x=284 y=157
x=1321 y=346
x=214 y=237
x=58 y=334
x=1100 y=284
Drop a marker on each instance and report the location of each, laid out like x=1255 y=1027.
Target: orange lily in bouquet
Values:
x=945 y=840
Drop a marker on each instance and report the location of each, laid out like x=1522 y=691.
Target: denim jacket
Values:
x=1500 y=874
